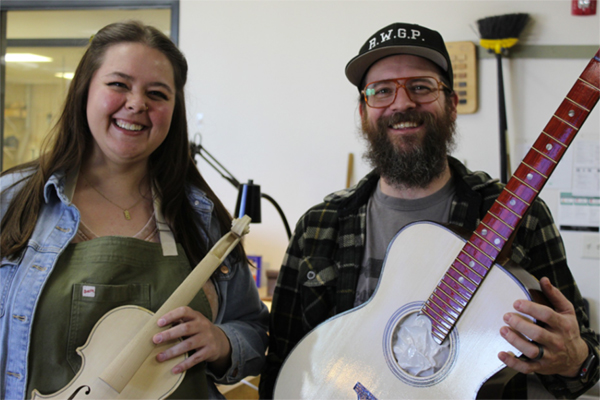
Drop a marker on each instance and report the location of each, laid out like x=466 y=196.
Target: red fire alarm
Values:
x=583 y=7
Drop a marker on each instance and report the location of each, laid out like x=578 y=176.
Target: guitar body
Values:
x=350 y=355
x=109 y=336
x=430 y=270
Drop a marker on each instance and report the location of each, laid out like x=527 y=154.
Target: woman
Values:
x=79 y=234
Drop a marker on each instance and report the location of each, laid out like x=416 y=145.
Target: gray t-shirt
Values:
x=386 y=216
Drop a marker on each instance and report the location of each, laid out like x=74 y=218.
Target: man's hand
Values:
x=564 y=351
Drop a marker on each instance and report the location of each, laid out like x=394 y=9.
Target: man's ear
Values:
x=361 y=110
x=454 y=111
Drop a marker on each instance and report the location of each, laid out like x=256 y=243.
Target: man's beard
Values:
x=412 y=162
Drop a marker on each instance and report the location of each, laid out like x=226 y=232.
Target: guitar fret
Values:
x=562 y=120
x=438 y=322
x=443 y=284
x=526 y=203
x=458 y=282
x=443 y=309
x=487 y=249
x=475 y=253
x=556 y=140
x=523 y=193
x=508 y=208
x=435 y=324
x=456 y=290
x=439 y=296
x=577 y=104
x=513 y=202
x=471 y=269
x=443 y=325
x=531 y=176
x=530 y=167
x=486 y=241
x=449 y=300
x=591 y=85
x=586 y=96
x=560 y=130
x=439 y=334
x=456 y=276
x=440 y=337
x=585 y=91
x=524 y=183
x=503 y=219
x=440 y=312
x=489 y=235
x=590 y=77
x=473 y=263
x=572 y=111
x=543 y=155
x=493 y=230
x=501 y=228
x=536 y=159
x=435 y=320
x=504 y=224
x=447 y=307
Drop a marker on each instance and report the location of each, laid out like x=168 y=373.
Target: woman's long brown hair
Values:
x=170 y=167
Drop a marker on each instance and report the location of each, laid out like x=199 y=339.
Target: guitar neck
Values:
x=466 y=273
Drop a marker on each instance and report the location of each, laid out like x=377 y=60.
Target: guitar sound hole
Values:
x=430 y=363
x=414 y=349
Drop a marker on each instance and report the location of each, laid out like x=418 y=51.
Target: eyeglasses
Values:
x=419 y=89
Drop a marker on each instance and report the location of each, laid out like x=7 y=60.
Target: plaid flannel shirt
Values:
x=320 y=269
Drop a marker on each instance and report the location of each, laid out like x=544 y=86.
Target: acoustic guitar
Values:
x=352 y=354
x=119 y=357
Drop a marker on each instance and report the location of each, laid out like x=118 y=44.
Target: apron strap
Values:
x=167 y=240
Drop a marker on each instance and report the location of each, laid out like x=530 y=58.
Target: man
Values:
x=333 y=263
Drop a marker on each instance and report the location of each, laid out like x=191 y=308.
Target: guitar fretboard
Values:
x=466 y=273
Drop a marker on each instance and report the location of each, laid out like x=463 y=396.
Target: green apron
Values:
x=90 y=279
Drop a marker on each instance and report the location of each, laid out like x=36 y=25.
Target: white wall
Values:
x=268 y=77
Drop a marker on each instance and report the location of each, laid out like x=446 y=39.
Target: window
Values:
x=42 y=43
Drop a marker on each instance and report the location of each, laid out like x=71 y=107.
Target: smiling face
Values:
x=408 y=142
x=403 y=66
x=130 y=103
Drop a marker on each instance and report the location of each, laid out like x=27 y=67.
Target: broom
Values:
x=498 y=34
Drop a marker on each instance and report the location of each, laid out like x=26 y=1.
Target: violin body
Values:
x=108 y=338
x=119 y=357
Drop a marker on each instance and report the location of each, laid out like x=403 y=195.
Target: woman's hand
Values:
x=201 y=337
x=563 y=348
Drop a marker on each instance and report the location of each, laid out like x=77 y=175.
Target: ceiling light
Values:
x=26 y=57
x=66 y=75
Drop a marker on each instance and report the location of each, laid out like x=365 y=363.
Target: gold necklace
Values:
x=126 y=212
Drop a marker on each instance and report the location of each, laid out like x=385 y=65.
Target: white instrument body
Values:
x=153 y=380
x=355 y=347
x=351 y=354
x=119 y=357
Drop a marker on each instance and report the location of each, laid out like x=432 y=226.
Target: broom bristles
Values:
x=502 y=26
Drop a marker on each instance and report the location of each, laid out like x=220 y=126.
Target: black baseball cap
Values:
x=400 y=38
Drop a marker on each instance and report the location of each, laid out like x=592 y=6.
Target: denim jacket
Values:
x=242 y=316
